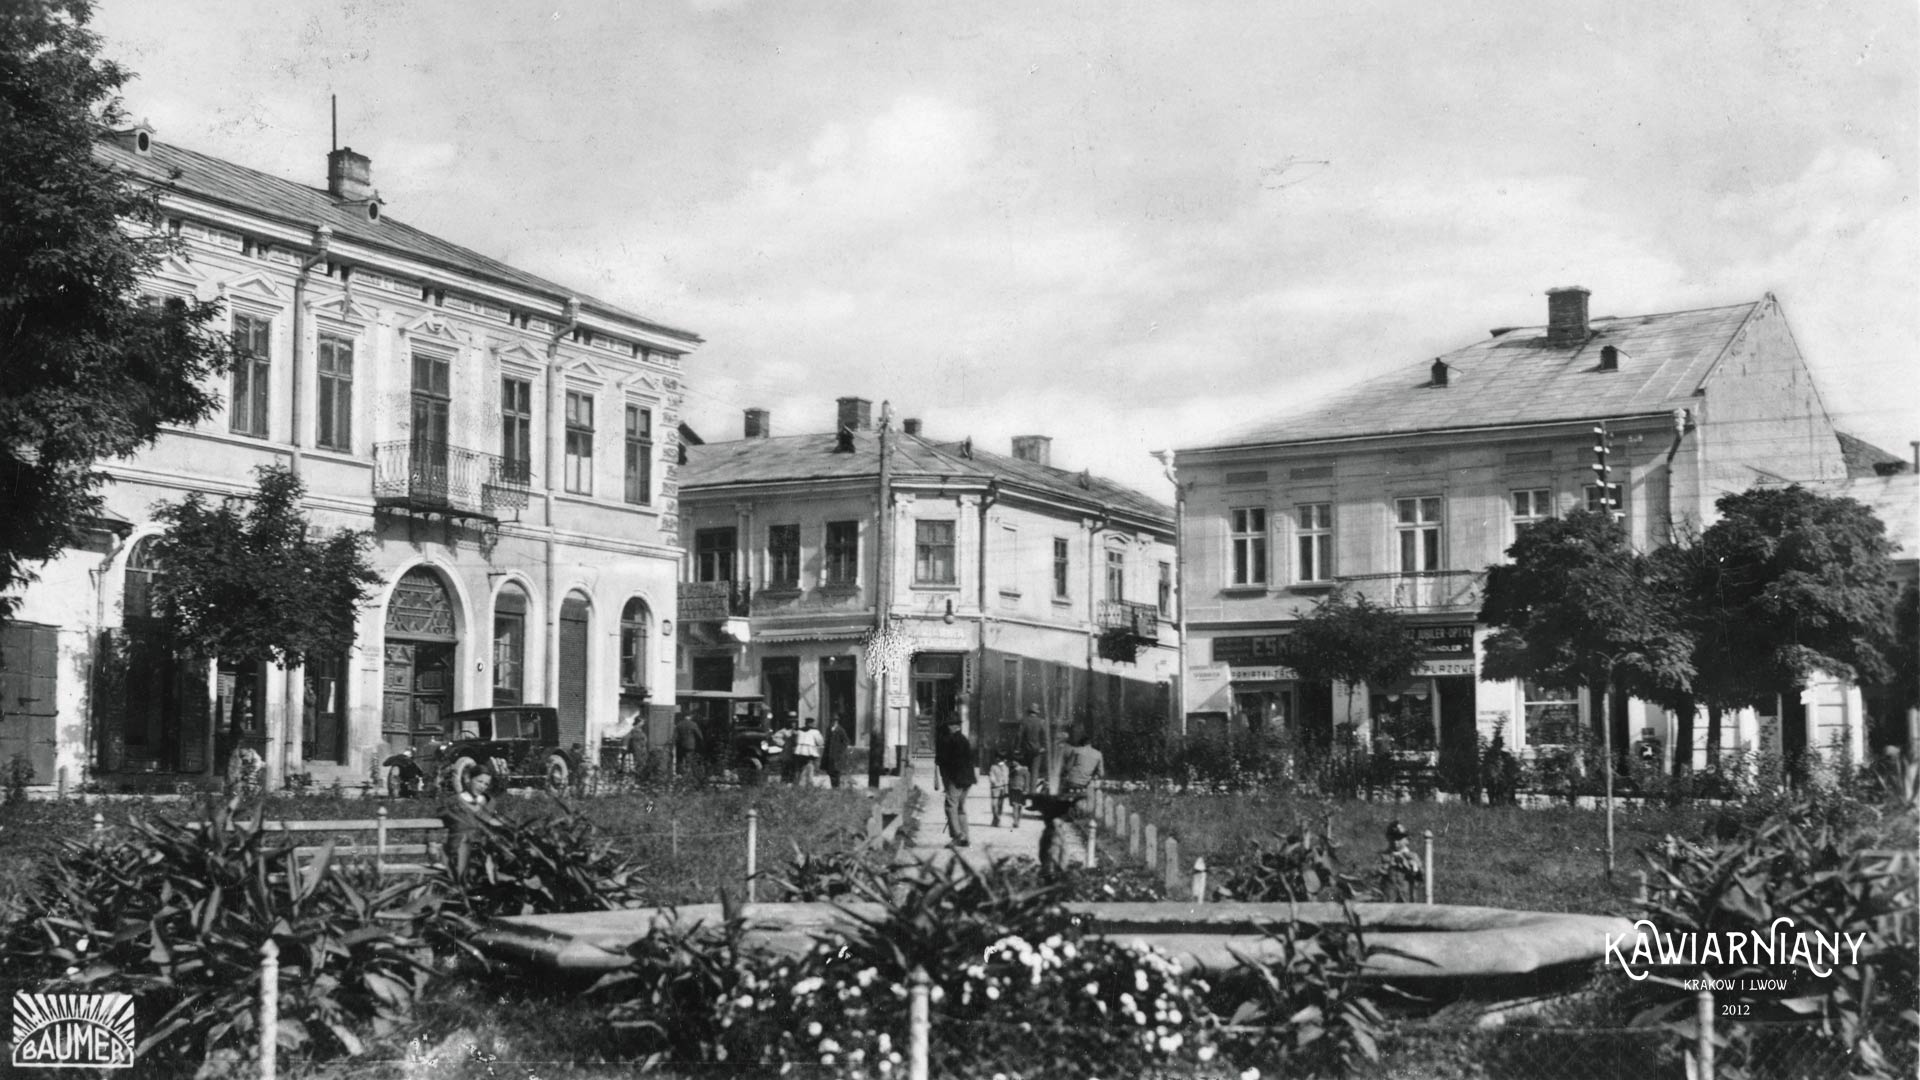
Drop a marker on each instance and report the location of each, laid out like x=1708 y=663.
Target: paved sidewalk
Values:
x=985 y=842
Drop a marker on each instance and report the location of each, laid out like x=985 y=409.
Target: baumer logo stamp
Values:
x=73 y=1031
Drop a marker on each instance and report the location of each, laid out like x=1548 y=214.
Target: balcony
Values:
x=1138 y=620
x=434 y=477
x=713 y=601
x=1430 y=590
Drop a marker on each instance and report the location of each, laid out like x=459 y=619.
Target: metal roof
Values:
x=1518 y=377
x=251 y=191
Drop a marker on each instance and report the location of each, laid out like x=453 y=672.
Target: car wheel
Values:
x=559 y=772
x=455 y=778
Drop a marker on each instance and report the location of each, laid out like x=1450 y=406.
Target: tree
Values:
x=250 y=579
x=88 y=371
x=1787 y=584
x=1350 y=639
x=1577 y=609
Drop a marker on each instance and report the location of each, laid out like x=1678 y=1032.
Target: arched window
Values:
x=510 y=645
x=142 y=568
x=633 y=645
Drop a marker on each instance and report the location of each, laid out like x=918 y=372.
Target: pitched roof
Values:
x=251 y=191
x=1865 y=459
x=789 y=458
x=1517 y=376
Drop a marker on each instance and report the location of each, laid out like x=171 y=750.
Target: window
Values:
x=1315 y=534
x=713 y=554
x=933 y=553
x=1613 y=497
x=579 y=463
x=1419 y=534
x=509 y=645
x=1248 y=525
x=1552 y=716
x=1531 y=505
x=1116 y=574
x=1060 y=564
x=843 y=553
x=432 y=403
x=633 y=645
x=639 y=455
x=516 y=428
x=1166 y=590
x=252 y=346
x=334 y=429
x=783 y=556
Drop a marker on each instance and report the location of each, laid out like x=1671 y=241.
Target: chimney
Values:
x=1035 y=448
x=1567 y=315
x=856 y=414
x=759 y=424
x=911 y=425
x=349 y=175
x=1439 y=372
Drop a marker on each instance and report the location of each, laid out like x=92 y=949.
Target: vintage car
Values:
x=520 y=743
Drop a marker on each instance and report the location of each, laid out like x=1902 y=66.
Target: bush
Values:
x=1304 y=1012
x=550 y=862
x=177 y=914
x=1302 y=865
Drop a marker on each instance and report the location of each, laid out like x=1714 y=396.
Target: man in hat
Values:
x=1034 y=745
x=1399 y=867
x=953 y=756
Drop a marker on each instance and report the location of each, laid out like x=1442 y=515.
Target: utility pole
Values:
x=883 y=569
x=1603 y=474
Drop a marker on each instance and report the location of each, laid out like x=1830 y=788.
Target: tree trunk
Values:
x=1713 y=735
x=1683 y=737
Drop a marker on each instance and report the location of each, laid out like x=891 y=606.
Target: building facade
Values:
x=1405 y=488
x=885 y=581
x=510 y=446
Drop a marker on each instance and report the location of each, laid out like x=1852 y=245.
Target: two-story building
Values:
x=1406 y=487
x=509 y=443
x=885 y=581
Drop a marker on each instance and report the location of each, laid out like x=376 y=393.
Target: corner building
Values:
x=1001 y=581
x=509 y=443
x=1406 y=487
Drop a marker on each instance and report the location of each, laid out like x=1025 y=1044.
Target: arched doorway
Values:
x=575 y=615
x=635 y=661
x=510 y=645
x=419 y=644
x=154 y=713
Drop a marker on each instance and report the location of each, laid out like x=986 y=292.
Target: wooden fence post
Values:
x=673 y=835
x=919 y=1024
x=1200 y=878
x=379 y=842
x=99 y=822
x=1152 y=846
x=1093 y=827
x=753 y=848
x=1173 y=868
x=1703 y=1039
x=1426 y=869
x=1640 y=886
x=1133 y=835
x=269 y=1009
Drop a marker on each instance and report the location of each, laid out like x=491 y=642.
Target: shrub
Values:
x=1303 y=865
x=841 y=874
x=552 y=861
x=1303 y=1012
x=19 y=777
x=177 y=913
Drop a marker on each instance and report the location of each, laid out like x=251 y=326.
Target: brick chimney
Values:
x=1567 y=315
x=349 y=175
x=911 y=425
x=855 y=414
x=1035 y=448
x=759 y=424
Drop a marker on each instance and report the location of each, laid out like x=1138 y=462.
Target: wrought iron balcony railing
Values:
x=434 y=476
x=1140 y=620
x=1429 y=590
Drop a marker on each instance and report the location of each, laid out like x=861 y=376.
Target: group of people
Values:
x=796 y=752
x=1042 y=760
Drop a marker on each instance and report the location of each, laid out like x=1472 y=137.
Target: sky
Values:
x=1127 y=225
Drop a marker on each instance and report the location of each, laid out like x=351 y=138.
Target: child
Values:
x=1400 y=869
x=997 y=786
x=1019 y=782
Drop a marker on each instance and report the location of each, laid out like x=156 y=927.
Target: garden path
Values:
x=985 y=842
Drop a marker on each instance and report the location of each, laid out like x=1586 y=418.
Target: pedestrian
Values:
x=688 y=743
x=783 y=747
x=749 y=750
x=834 y=761
x=1033 y=744
x=1019 y=783
x=473 y=813
x=1400 y=870
x=1081 y=765
x=807 y=744
x=997 y=786
x=953 y=756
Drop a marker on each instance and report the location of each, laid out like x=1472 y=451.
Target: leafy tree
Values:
x=250 y=580
x=1350 y=639
x=87 y=371
x=1577 y=608
x=1786 y=584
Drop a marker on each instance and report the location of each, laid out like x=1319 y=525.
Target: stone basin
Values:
x=1422 y=941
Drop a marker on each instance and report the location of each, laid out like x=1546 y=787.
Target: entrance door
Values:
x=324 y=733
x=936 y=684
x=573 y=672
x=780 y=685
x=1459 y=741
x=419 y=691
x=837 y=692
x=29 y=685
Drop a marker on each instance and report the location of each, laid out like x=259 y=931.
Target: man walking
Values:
x=953 y=756
x=687 y=743
x=1033 y=745
x=834 y=761
x=806 y=753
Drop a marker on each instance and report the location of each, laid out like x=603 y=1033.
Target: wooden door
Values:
x=29 y=701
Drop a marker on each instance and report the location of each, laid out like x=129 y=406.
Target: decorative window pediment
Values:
x=433 y=326
x=341 y=310
x=518 y=357
x=584 y=371
x=640 y=383
x=257 y=289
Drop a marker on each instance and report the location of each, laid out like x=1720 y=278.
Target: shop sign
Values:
x=1263 y=674
x=1445 y=667
x=1252 y=651
x=1207 y=688
x=1444 y=642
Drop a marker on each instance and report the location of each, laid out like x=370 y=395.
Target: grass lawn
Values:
x=1549 y=859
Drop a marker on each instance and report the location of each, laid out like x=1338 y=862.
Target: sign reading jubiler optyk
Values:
x=73 y=1031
